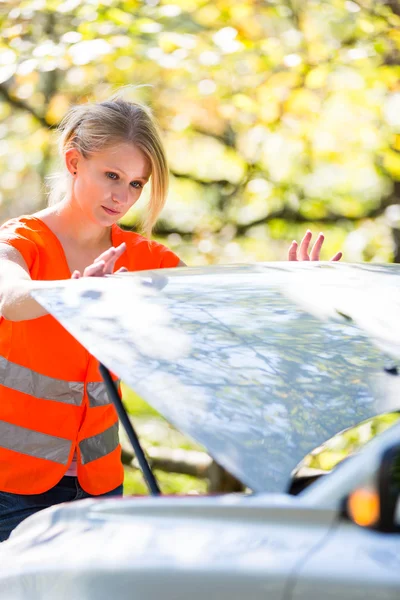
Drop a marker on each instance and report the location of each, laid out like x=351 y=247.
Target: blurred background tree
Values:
x=277 y=115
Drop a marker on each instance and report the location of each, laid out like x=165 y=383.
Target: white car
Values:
x=247 y=361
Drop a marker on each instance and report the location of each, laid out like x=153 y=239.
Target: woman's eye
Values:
x=111 y=175
x=137 y=185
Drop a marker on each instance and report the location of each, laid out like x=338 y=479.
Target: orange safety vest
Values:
x=52 y=398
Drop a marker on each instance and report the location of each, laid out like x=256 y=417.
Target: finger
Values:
x=105 y=255
x=337 y=256
x=111 y=252
x=95 y=269
x=75 y=275
x=305 y=242
x=292 y=254
x=112 y=258
x=316 y=249
x=110 y=264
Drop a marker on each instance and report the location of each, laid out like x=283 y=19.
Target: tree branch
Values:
x=21 y=105
x=202 y=182
x=186 y=462
x=394 y=5
x=286 y=214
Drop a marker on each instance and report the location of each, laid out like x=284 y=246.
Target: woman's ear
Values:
x=72 y=158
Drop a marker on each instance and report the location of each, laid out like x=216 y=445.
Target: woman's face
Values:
x=109 y=182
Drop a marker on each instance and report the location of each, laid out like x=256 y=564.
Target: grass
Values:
x=156 y=431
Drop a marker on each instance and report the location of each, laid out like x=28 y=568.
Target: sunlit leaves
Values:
x=305 y=93
x=327 y=456
x=204 y=158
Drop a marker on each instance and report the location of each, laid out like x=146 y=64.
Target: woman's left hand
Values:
x=299 y=253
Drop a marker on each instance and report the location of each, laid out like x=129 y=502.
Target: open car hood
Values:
x=233 y=357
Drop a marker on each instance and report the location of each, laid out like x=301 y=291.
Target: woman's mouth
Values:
x=110 y=211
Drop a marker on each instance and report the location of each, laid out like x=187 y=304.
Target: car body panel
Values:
x=230 y=357
x=368 y=295
x=235 y=546
x=174 y=548
x=352 y=563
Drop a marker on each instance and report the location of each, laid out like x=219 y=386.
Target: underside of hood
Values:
x=230 y=356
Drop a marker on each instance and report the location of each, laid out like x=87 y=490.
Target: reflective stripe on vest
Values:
x=99 y=445
x=97 y=393
x=22 y=379
x=34 y=443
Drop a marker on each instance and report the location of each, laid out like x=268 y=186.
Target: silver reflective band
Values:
x=34 y=443
x=22 y=379
x=97 y=393
x=99 y=445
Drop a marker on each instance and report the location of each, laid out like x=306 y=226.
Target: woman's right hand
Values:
x=103 y=264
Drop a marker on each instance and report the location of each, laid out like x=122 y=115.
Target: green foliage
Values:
x=170 y=483
x=342 y=445
x=275 y=115
x=135 y=405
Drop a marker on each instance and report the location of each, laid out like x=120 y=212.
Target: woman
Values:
x=58 y=431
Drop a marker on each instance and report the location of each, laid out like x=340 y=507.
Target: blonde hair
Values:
x=93 y=127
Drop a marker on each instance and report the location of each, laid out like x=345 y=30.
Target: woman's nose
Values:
x=121 y=197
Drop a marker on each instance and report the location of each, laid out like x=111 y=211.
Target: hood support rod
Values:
x=133 y=438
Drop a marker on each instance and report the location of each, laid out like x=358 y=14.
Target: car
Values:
x=260 y=364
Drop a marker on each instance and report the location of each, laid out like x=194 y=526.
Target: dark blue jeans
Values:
x=14 y=508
